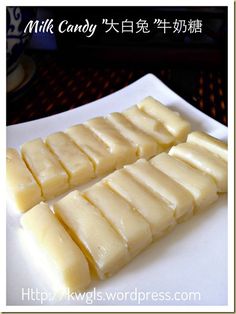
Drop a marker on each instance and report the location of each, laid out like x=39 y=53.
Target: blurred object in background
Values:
x=73 y=70
x=43 y=40
x=17 y=65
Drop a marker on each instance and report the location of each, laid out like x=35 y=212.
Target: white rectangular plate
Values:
x=191 y=259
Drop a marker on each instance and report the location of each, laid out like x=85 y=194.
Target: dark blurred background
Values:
x=71 y=70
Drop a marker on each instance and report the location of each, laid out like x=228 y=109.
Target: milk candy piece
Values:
x=156 y=212
x=77 y=165
x=149 y=125
x=203 y=160
x=210 y=143
x=201 y=186
x=103 y=246
x=173 y=121
x=146 y=145
x=62 y=253
x=94 y=148
x=122 y=150
x=46 y=168
x=23 y=188
x=178 y=198
x=132 y=227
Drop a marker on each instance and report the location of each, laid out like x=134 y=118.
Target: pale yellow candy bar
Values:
x=94 y=148
x=61 y=251
x=149 y=125
x=103 y=246
x=122 y=150
x=76 y=163
x=203 y=160
x=125 y=220
x=156 y=212
x=178 y=198
x=23 y=188
x=210 y=143
x=146 y=145
x=201 y=186
x=174 y=123
x=46 y=168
